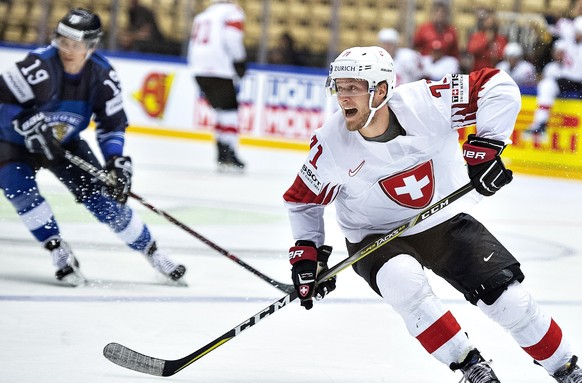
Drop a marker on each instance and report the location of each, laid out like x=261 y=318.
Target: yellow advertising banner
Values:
x=556 y=153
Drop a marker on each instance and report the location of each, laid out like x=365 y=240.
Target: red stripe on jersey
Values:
x=226 y=128
x=439 y=333
x=329 y=196
x=300 y=193
x=477 y=81
x=237 y=24
x=548 y=345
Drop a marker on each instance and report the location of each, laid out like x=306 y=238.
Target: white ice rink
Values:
x=54 y=334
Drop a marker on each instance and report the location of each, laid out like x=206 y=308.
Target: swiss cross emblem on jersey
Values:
x=413 y=188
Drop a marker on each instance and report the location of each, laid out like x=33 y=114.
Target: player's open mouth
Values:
x=350 y=112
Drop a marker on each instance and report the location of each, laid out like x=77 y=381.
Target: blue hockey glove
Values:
x=307 y=263
x=120 y=171
x=484 y=164
x=38 y=136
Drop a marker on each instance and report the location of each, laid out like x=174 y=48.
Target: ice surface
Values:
x=50 y=333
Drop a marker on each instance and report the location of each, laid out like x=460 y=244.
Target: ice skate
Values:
x=173 y=273
x=228 y=160
x=571 y=373
x=475 y=369
x=536 y=129
x=67 y=265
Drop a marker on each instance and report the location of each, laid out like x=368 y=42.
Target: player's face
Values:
x=353 y=97
x=72 y=53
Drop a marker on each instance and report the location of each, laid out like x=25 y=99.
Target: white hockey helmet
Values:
x=372 y=64
x=389 y=35
x=513 y=50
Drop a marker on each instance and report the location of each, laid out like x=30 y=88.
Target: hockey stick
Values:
x=136 y=361
x=101 y=175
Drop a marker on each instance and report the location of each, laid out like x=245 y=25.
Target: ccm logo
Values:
x=473 y=154
x=295 y=253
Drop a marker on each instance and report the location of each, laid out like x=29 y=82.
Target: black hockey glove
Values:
x=240 y=68
x=38 y=136
x=307 y=262
x=486 y=169
x=119 y=171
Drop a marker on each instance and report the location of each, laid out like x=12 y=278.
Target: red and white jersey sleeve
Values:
x=377 y=186
x=216 y=41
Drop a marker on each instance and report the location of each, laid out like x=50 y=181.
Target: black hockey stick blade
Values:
x=102 y=176
x=133 y=360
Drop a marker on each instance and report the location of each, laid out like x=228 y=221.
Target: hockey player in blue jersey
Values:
x=46 y=100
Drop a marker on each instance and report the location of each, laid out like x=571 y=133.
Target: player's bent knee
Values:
x=514 y=308
x=401 y=281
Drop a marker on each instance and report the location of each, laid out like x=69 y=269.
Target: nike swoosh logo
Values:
x=352 y=173
x=489 y=257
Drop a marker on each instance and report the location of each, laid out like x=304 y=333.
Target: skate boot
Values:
x=571 y=373
x=234 y=161
x=537 y=130
x=162 y=263
x=475 y=369
x=67 y=265
x=227 y=159
x=223 y=154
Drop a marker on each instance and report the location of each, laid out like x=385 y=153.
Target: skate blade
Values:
x=74 y=279
x=230 y=169
x=166 y=280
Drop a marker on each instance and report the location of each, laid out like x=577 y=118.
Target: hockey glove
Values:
x=38 y=136
x=240 y=68
x=307 y=263
x=119 y=170
x=486 y=169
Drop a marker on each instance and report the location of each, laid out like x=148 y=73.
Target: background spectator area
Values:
x=315 y=25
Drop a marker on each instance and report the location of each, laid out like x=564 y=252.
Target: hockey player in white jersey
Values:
x=407 y=62
x=569 y=80
x=390 y=152
x=437 y=64
x=521 y=71
x=217 y=58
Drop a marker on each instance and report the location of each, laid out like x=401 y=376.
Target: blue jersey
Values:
x=39 y=83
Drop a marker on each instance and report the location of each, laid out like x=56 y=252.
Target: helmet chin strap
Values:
x=372 y=109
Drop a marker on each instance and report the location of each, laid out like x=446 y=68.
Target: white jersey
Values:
x=564 y=29
x=524 y=72
x=407 y=66
x=435 y=70
x=553 y=69
x=572 y=63
x=377 y=186
x=216 y=41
